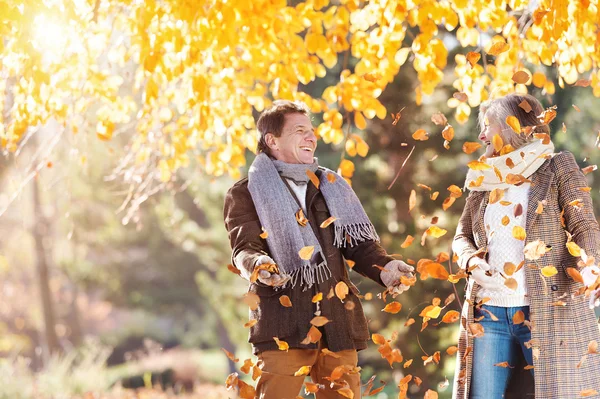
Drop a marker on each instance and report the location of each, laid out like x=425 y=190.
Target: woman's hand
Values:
x=479 y=273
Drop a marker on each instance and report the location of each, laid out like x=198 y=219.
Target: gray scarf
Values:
x=276 y=208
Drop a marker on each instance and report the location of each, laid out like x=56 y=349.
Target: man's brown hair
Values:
x=273 y=119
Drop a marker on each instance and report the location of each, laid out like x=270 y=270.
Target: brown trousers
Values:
x=277 y=380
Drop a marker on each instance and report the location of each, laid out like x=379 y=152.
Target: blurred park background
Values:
x=113 y=252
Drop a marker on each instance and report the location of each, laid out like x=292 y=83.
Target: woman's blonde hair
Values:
x=503 y=107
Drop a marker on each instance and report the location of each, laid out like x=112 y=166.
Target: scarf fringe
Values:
x=308 y=275
x=358 y=232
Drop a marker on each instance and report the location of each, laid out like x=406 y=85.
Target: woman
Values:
x=525 y=330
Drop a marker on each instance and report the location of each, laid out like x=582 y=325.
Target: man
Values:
x=280 y=215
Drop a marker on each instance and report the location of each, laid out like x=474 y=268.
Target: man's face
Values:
x=297 y=143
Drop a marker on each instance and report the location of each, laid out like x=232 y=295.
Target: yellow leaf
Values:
x=498 y=48
x=549 y=271
x=476 y=183
x=346 y=168
x=359 y=120
x=434 y=312
x=514 y=124
x=250 y=323
x=470 y=147
x=327 y=222
x=505 y=220
x=313 y=336
x=318 y=297
x=511 y=283
x=282 y=345
x=285 y=300
x=420 y=135
x=497 y=143
x=435 y=231
x=304 y=370
x=412 y=200
x=392 y=307
x=573 y=248
x=264 y=234
x=518 y=232
x=341 y=290
x=478 y=165
x=319 y=321
x=407 y=241
x=306 y=253
x=496 y=195
x=313 y=178
x=509 y=268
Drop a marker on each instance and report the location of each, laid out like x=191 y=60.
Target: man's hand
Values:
x=392 y=273
x=270 y=279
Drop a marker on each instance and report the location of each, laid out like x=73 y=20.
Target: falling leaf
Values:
x=518 y=232
x=424 y=186
x=247 y=366
x=511 y=283
x=451 y=316
x=576 y=108
x=313 y=178
x=509 y=268
x=455 y=191
x=319 y=321
x=350 y=263
x=230 y=355
x=585 y=189
x=341 y=290
x=300 y=218
x=521 y=77
x=452 y=350
x=407 y=241
x=436 y=270
x=331 y=178
x=588 y=392
x=282 y=345
x=317 y=298
x=575 y=275
x=328 y=221
x=433 y=312
x=327 y=352
x=505 y=220
x=540 y=208
x=473 y=57
x=470 y=147
x=535 y=250
x=256 y=372
x=514 y=124
x=476 y=183
x=310 y=387
x=306 y=253
x=234 y=269
x=525 y=106
x=420 y=135
x=252 y=300
x=518 y=317
x=435 y=231
x=313 y=336
x=573 y=248
x=460 y=96
x=250 y=323
x=448 y=133
x=583 y=82
x=476 y=329
x=593 y=347
x=434 y=196
x=549 y=271
x=284 y=300
x=518 y=210
x=431 y=394
x=504 y=365
x=439 y=119
x=304 y=370
x=478 y=165
x=589 y=169
x=496 y=195
x=264 y=234
x=448 y=203
x=392 y=307
x=346 y=392
x=548 y=115
x=498 y=48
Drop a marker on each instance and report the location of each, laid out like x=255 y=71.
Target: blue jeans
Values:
x=503 y=341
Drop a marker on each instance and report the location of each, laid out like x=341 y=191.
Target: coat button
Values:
x=554 y=287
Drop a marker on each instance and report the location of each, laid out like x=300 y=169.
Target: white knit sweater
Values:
x=503 y=247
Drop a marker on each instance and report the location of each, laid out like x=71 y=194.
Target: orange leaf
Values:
x=284 y=300
x=250 y=323
x=412 y=200
x=319 y=321
x=327 y=352
x=392 y=307
x=455 y=191
x=282 y=345
x=473 y=57
x=436 y=270
x=498 y=48
x=310 y=387
x=233 y=269
x=476 y=329
x=313 y=336
x=519 y=317
x=313 y=178
x=300 y=218
x=503 y=364
x=505 y=220
x=407 y=241
x=496 y=195
x=230 y=355
x=509 y=268
x=511 y=283
x=431 y=394
x=448 y=133
x=378 y=339
x=317 y=298
x=451 y=316
x=521 y=77
x=439 y=119
x=331 y=178
x=575 y=275
x=588 y=392
x=525 y=106
x=497 y=143
x=341 y=290
x=306 y=253
x=327 y=222
x=264 y=234
x=420 y=135
x=452 y=350
x=478 y=165
x=470 y=147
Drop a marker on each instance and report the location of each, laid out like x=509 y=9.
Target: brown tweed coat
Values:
x=561 y=331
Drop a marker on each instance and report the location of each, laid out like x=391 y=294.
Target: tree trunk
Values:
x=40 y=228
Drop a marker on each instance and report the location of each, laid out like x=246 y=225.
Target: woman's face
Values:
x=491 y=128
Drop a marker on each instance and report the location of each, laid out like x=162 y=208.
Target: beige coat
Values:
x=562 y=325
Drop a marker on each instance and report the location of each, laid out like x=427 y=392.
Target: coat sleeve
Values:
x=244 y=228
x=463 y=244
x=366 y=254
x=580 y=221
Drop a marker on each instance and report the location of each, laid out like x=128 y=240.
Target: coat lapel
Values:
x=540 y=184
